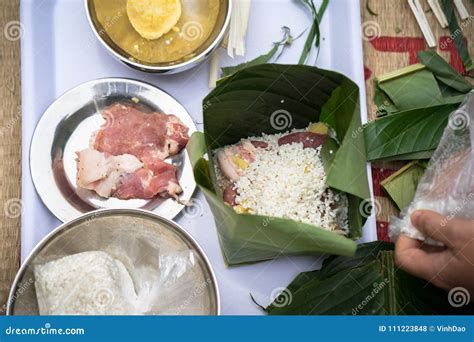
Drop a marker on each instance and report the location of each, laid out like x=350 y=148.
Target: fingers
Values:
x=438 y=227
x=410 y=257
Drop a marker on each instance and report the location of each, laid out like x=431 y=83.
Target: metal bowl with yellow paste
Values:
x=157 y=31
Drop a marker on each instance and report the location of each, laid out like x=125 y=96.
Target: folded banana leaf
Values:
x=401 y=186
x=444 y=72
x=417 y=89
x=368 y=283
x=241 y=106
x=433 y=82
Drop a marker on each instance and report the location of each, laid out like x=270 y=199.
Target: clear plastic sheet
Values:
x=94 y=283
x=447 y=187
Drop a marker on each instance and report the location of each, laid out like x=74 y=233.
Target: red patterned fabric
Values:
x=378 y=175
x=400 y=44
x=382 y=231
x=367 y=73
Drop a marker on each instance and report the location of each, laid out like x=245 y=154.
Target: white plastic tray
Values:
x=59 y=52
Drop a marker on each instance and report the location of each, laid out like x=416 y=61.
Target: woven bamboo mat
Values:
x=10 y=142
x=391 y=39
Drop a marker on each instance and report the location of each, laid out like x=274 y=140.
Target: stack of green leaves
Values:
x=367 y=284
x=414 y=105
x=244 y=105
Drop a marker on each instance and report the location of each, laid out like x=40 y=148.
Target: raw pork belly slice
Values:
x=124 y=176
x=102 y=172
x=145 y=183
x=233 y=159
x=126 y=160
x=128 y=130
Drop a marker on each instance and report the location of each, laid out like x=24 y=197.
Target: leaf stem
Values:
x=399 y=73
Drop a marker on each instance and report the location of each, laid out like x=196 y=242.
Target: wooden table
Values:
x=397 y=37
x=10 y=144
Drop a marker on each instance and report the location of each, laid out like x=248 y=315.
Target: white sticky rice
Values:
x=88 y=283
x=289 y=181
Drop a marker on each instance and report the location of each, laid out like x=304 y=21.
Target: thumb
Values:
x=436 y=226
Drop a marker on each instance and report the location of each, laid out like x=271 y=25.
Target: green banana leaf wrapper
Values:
x=274 y=98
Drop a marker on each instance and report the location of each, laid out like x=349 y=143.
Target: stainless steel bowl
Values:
x=138 y=239
x=199 y=56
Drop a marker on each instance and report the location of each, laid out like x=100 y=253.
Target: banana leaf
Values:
x=422 y=155
x=406 y=132
x=242 y=106
x=368 y=283
x=382 y=101
x=401 y=186
x=413 y=106
x=433 y=82
x=415 y=90
x=443 y=71
x=457 y=34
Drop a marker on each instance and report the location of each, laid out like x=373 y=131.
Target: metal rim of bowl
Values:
x=68 y=225
x=171 y=68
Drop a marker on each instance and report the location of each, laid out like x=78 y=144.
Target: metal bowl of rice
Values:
x=116 y=262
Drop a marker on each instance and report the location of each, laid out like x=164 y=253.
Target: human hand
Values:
x=447 y=267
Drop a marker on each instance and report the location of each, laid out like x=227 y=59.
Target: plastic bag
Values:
x=447 y=187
